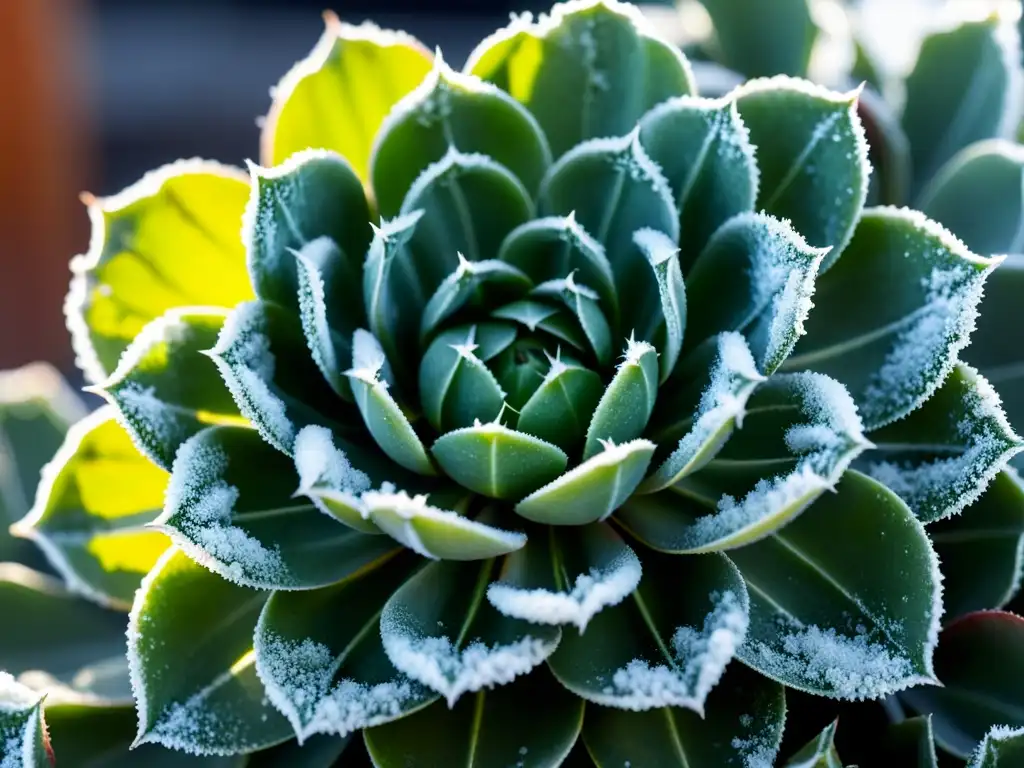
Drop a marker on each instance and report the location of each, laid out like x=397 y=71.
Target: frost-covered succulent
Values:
x=540 y=412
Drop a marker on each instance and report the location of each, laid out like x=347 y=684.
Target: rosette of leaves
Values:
x=544 y=411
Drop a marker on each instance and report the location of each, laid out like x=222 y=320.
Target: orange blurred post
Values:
x=44 y=158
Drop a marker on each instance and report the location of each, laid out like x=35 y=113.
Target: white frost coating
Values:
x=699 y=659
x=17 y=750
x=781 y=275
x=455 y=162
x=825 y=446
x=318 y=462
x=84 y=265
x=734 y=377
x=435 y=662
x=758 y=749
x=246 y=364
x=635 y=350
x=851 y=668
x=626 y=154
x=299 y=680
x=946 y=486
x=927 y=344
x=987 y=751
x=313 y=305
x=397 y=513
x=591 y=592
x=200 y=504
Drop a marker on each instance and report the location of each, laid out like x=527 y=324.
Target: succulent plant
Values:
x=544 y=412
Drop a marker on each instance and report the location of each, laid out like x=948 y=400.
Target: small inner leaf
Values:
x=439 y=534
x=622 y=413
x=381 y=414
x=456 y=388
x=559 y=410
x=593 y=490
x=496 y=461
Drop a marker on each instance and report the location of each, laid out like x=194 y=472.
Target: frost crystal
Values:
x=298 y=678
x=852 y=667
x=438 y=664
x=698 y=660
x=591 y=592
x=319 y=463
x=201 y=505
x=945 y=486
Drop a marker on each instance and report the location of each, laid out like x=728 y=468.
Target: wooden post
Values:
x=44 y=158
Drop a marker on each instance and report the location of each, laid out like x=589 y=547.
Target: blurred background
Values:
x=96 y=92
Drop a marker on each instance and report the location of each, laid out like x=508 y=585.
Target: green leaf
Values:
x=263 y=360
x=499 y=462
x=195 y=682
x=84 y=734
x=996 y=352
x=439 y=534
x=582 y=302
x=566 y=576
x=742 y=725
x=799 y=435
x=761 y=39
x=704 y=151
x=317 y=752
x=328 y=479
x=559 y=410
x=1002 y=747
x=381 y=414
x=891 y=317
x=164 y=389
x=456 y=388
x=703 y=408
x=555 y=246
x=590 y=69
x=438 y=629
x=812 y=154
x=329 y=676
x=911 y=742
x=94 y=499
x=978 y=195
x=625 y=407
x=337 y=97
x=330 y=306
x=593 y=490
x=479 y=284
x=536 y=315
x=313 y=194
x=487 y=729
x=980 y=664
x=169 y=240
x=230 y=506
x=36 y=408
x=820 y=752
x=823 y=623
x=963 y=89
x=756 y=276
x=982 y=550
x=667 y=317
x=447 y=110
x=941 y=457
x=665 y=646
x=24 y=742
x=60 y=642
x=615 y=189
